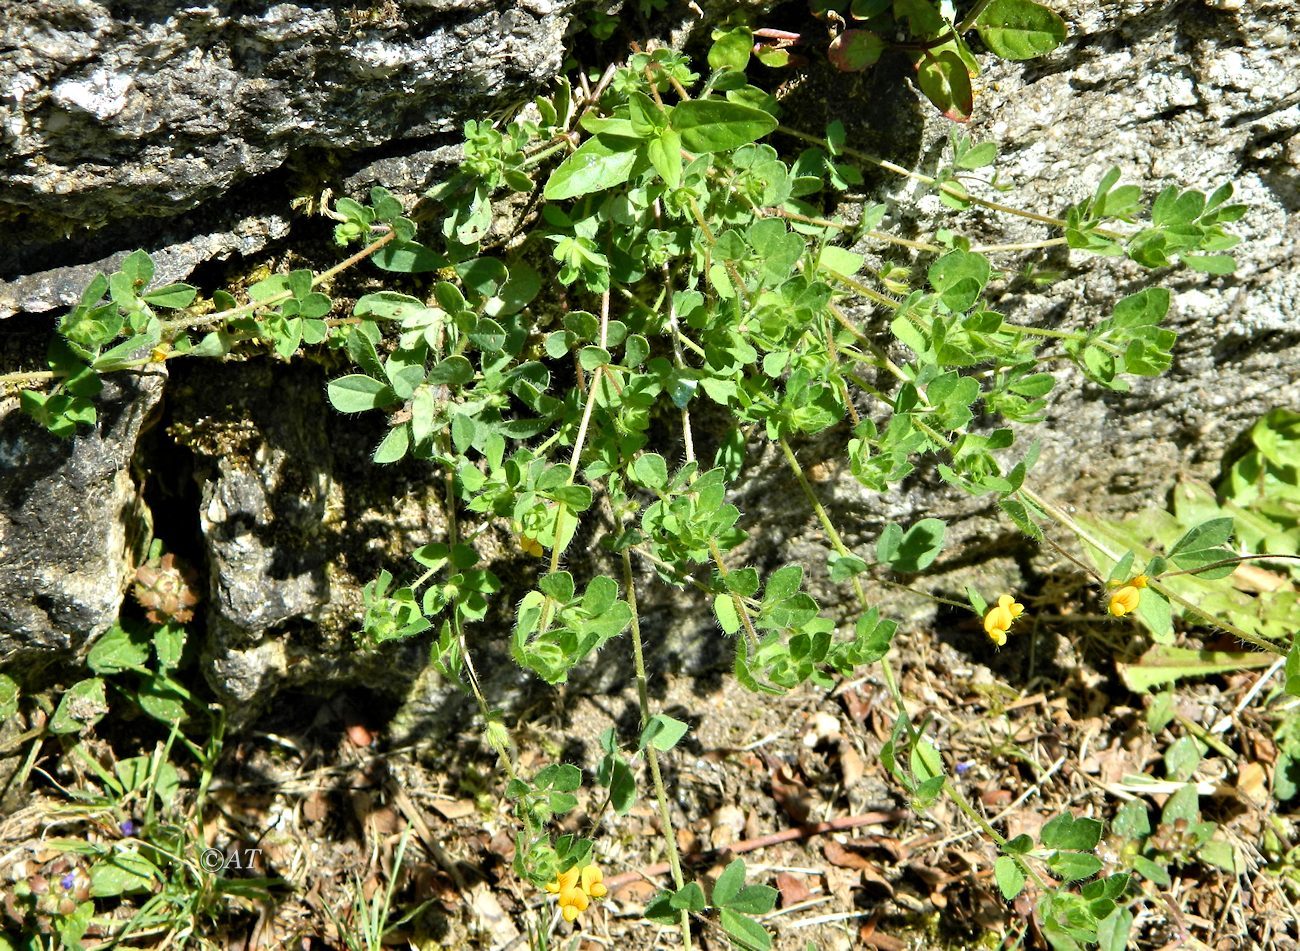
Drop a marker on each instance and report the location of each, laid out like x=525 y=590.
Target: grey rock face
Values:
x=295 y=520
x=67 y=517
x=144 y=111
x=1192 y=94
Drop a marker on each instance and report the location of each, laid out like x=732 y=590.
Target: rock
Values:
x=69 y=520
x=1194 y=95
x=126 y=119
x=295 y=519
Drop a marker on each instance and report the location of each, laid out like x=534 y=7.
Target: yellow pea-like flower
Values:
x=1125 y=600
x=576 y=888
x=592 y=882
x=999 y=618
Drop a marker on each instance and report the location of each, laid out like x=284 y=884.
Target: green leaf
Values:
x=1067 y=832
x=599 y=163
x=746 y=930
x=172 y=297
x=944 y=80
x=724 y=609
x=394 y=445
x=729 y=883
x=81 y=706
x=959 y=277
x=455 y=371
x=1205 y=544
x=716 y=125
x=690 y=897
x=1020 y=845
x=116 y=651
x=8 y=697
x=918 y=547
x=665 y=154
x=1163 y=664
x=1211 y=263
x=651 y=470
x=754 y=900
x=122 y=872
x=844 y=567
x=355 y=393
x=731 y=48
x=1008 y=875
x=1113 y=931
x=622 y=787
x=1074 y=866
x=1020 y=29
x=156 y=698
x=663 y=732
x=1291 y=672
x=408 y=257
x=855 y=50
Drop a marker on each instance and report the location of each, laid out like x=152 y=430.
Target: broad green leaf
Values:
x=746 y=930
x=1211 y=263
x=944 y=80
x=172 y=297
x=855 y=50
x=121 y=873
x=394 y=445
x=118 y=650
x=731 y=48
x=1008 y=875
x=665 y=154
x=1163 y=664
x=1073 y=866
x=724 y=609
x=599 y=163
x=729 y=883
x=716 y=125
x=1067 y=832
x=408 y=257
x=918 y=547
x=663 y=732
x=355 y=393
x=690 y=897
x=81 y=706
x=8 y=697
x=1020 y=29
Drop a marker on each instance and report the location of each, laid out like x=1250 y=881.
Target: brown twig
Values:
x=615 y=882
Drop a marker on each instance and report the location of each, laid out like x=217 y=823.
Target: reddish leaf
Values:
x=946 y=83
x=792 y=889
x=855 y=50
x=845 y=857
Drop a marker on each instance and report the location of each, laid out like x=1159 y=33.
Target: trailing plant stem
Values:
x=652 y=755
x=1064 y=519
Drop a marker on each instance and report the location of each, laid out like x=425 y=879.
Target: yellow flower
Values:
x=999 y=619
x=1125 y=600
x=530 y=546
x=576 y=887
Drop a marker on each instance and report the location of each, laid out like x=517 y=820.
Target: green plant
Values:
x=700 y=281
x=142 y=837
x=930 y=34
x=372 y=921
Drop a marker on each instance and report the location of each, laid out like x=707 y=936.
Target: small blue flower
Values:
x=129 y=827
x=964 y=767
x=67 y=881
